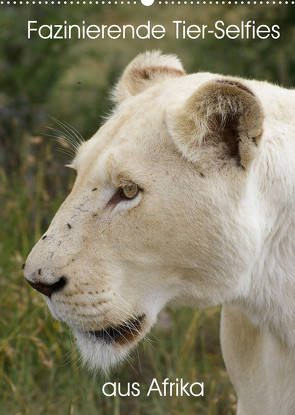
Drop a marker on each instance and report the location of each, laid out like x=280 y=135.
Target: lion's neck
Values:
x=271 y=299
x=270 y=302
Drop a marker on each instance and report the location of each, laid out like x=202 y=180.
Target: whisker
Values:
x=76 y=137
x=75 y=131
x=63 y=139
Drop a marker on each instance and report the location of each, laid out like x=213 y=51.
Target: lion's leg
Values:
x=242 y=348
x=260 y=366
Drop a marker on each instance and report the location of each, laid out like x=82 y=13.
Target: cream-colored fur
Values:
x=213 y=223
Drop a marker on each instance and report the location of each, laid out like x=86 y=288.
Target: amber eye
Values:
x=124 y=192
x=130 y=191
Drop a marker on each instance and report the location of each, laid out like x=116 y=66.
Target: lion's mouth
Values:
x=121 y=334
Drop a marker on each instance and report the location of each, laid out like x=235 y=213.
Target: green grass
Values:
x=40 y=370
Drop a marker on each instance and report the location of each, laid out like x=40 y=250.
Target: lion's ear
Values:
x=144 y=71
x=223 y=116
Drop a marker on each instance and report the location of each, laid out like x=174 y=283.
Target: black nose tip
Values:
x=48 y=289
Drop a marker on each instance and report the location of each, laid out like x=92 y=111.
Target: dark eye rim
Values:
x=119 y=196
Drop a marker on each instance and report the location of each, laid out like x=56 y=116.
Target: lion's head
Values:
x=161 y=210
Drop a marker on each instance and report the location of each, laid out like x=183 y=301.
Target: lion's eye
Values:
x=130 y=191
x=125 y=192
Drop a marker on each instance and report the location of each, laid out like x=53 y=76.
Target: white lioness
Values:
x=184 y=196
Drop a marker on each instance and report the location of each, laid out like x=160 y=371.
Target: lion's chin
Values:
x=105 y=349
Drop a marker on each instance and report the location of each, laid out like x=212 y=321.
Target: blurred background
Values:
x=70 y=80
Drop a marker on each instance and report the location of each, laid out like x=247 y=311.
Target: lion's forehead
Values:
x=132 y=146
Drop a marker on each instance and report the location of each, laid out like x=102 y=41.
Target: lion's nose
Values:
x=48 y=289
